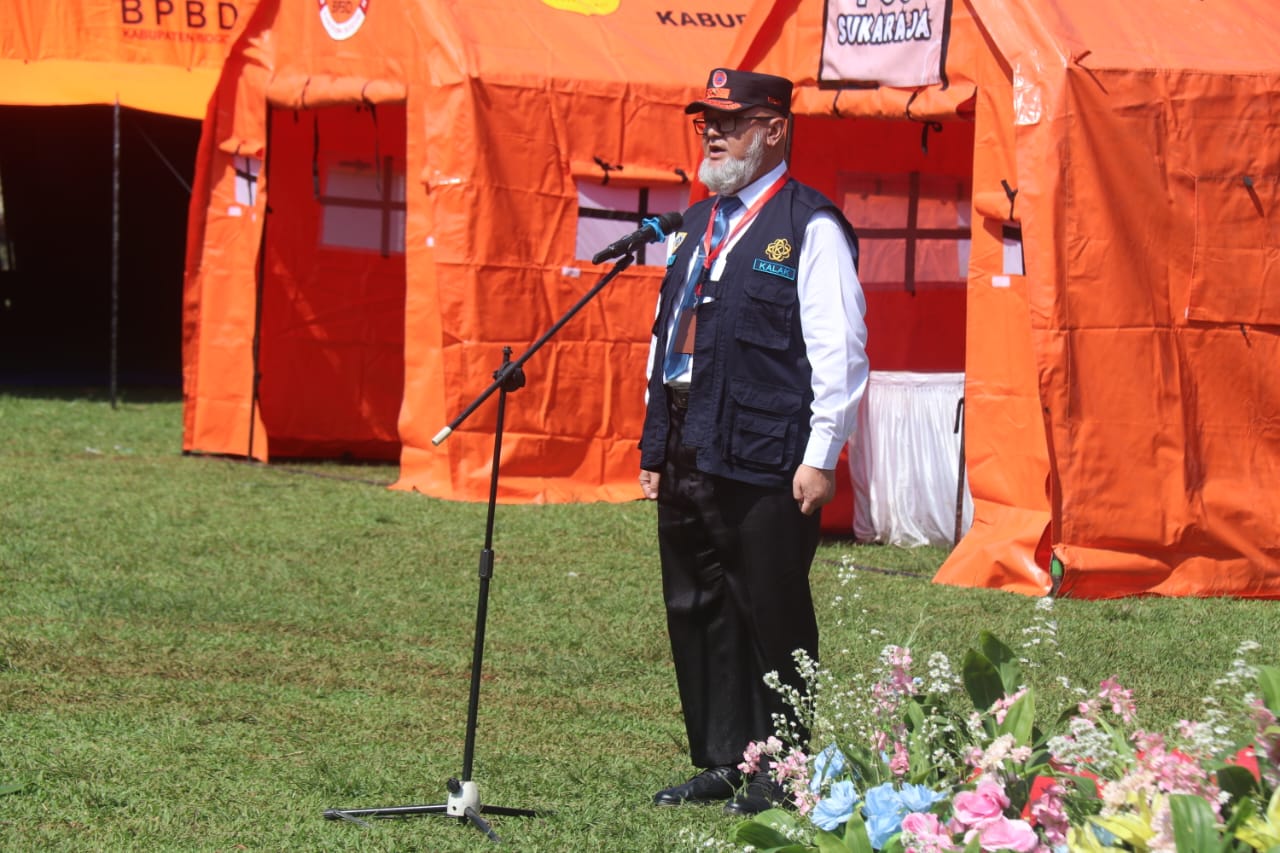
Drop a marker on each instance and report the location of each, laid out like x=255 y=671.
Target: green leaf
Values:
x=1195 y=829
x=1129 y=828
x=762 y=836
x=864 y=769
x=1243 y=810
x=13 y=788
x=1005 y=661
x=1020 y=719
x=893 y=845
x=1236 y=781
x=914 y=716
x=856 y=839
x=981 y=680
x=829 y=842
x=1269 y=682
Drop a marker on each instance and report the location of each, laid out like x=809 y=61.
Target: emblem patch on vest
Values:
x=778 y=250
x=780 y=270
x=676 y=240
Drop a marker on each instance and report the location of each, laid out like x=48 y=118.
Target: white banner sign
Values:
x=900 y=43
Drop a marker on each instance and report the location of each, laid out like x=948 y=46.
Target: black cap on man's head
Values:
x=733 y=91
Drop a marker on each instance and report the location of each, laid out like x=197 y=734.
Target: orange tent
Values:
x=1123 y=301
x=388 y=194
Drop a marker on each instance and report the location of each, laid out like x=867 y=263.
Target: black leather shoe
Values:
x=762 y=793
x=709 y=786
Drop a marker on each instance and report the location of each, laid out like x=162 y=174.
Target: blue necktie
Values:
x=680 y=344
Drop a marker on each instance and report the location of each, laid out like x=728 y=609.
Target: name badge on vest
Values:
x=772 y=268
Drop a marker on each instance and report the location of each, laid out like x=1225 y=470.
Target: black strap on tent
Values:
x=684 y=176
x=1011 y=193
x=928 y=124
x=959 y=428
x=607 y=168
x=377 y=142
x=315 y=155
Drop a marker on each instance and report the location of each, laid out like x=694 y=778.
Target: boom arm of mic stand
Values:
x=511 y=372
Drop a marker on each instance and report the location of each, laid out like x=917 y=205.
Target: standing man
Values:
x=757 y=368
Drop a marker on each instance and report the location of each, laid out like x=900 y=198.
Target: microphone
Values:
x=653 y=230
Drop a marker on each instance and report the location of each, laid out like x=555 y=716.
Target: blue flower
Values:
x=827 y=766
x=918 y=798
x=884 y=811
x=886 y=807
x=837 y=807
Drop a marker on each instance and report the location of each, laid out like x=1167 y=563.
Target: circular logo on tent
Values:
x=342 y=18
x=719 y=78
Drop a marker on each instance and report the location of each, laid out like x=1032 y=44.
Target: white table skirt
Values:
x=904 y=460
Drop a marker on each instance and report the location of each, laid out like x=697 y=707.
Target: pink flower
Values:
x=794 y=766
x=922 y=823
x=1002 y=705
x=901 y=761
x=1005 y=834
x=922 y=832
x=978 y=807
x=755 y=751
x=1048 y=811
x=1121 y=699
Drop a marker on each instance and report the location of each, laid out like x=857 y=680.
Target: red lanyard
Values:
x=712 y=252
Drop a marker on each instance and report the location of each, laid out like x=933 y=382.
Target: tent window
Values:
x=607 y=212
x=913 y=229
x=247 y=169
x=364 y=205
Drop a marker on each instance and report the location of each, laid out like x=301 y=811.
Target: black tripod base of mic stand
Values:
x=464 y=804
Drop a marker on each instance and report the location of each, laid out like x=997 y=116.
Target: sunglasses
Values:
x=726 y=125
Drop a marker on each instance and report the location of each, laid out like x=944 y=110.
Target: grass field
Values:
x=200 y=654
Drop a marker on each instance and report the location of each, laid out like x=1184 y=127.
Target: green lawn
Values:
x=204 y=654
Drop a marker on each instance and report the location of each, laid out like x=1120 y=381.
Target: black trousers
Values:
x=735 y=579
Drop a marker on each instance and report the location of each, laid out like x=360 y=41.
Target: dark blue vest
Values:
x=749 y=399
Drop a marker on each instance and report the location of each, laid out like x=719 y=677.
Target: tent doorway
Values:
x=56 y=174
x=330 y=352
x=906 y=188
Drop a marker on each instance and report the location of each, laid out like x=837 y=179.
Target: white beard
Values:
x=730 y=176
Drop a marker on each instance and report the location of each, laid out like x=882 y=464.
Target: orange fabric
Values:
x=159 y=57
x=1121 y=394
x=503 y=104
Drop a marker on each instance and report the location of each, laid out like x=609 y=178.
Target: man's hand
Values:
x=649 y=484
x=812 y=488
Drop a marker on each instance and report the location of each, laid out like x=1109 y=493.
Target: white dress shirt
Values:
x=832 y=311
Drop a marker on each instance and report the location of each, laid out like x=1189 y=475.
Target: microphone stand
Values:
x=463 y=801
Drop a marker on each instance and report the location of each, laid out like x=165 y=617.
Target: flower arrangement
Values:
x=945 y=762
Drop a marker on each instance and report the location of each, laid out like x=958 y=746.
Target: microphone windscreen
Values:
x=670 y=221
